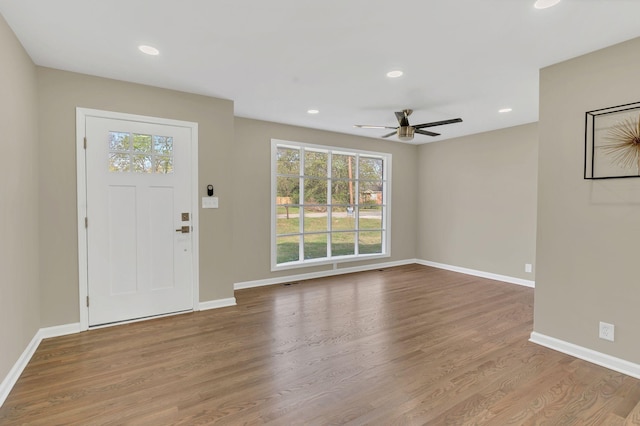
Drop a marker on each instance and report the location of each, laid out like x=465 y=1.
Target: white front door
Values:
x=139 y=219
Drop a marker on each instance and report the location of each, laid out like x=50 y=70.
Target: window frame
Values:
x=330 y=259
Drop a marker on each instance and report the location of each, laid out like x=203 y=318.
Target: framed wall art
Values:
x=612 y=142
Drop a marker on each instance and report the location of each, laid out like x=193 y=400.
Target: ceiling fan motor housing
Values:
x=405 y=133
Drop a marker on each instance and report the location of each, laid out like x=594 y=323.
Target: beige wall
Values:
x=252 y=171
x=234 y=239
x=60 y=93
x=19 y=301
x=477 y=201
x=588 y=231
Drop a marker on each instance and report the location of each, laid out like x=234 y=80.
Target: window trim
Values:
x=386 y=222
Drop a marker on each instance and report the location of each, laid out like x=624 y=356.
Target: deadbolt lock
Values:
x=185 y=217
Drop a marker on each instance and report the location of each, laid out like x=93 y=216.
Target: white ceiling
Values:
x=276 y=59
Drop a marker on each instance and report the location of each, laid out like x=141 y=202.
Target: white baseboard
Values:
x=59 y=330
x=320 y=274
x=598 y=358
x=482 y=274
x=17 y=369
x=215 y=304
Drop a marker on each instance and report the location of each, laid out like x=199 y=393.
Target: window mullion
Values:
x=329 y=203
x=301 y=208
x=356 y=204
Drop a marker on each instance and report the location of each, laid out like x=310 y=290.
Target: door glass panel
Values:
x=119 y=141
x=119 y=162
x=142 y=163
x=163 y=145
x=141 y=143
x=163 y=164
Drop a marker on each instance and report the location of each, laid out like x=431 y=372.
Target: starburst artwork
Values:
x=612 y=142
x=623 y=144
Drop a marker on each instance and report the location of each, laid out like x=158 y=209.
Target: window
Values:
x=328 y=204
x=139 y=153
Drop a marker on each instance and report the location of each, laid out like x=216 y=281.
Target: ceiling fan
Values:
x=405 y=131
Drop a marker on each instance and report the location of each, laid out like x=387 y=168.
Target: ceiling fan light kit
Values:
x=405 y=131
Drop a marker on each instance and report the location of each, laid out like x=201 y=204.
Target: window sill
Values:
x=334 y=261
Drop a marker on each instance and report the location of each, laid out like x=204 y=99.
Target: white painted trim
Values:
x=482 y=274
x=60 y=330
x=195 y=216
x=219 y=303
x=44 y=333
x=273 y=253
x=320 y=274
x=81 y=194
x=17 y=369
x=81 y=186
x=594 y=357
x=342 y=260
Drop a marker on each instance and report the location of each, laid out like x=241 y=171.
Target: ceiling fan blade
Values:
x=368 y=126
x=438 y=123
x=425 y=132
x=390 y=134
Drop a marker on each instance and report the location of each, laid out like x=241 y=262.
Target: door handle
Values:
x=184 y=229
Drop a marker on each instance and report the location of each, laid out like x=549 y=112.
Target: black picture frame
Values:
x=609 y=148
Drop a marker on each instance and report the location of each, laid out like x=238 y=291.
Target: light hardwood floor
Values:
x=409 y=345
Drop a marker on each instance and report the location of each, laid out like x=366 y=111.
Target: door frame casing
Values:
x=81 y=170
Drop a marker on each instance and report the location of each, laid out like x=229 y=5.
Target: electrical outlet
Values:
x=528 y=267
x=607 y=331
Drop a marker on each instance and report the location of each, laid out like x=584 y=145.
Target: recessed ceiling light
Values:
x=149 y=50
x=543 y=4
x=394 y=74
x=312 y=111
x=505 y=110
